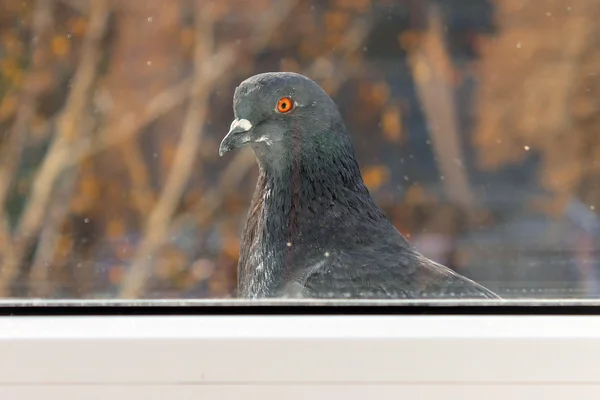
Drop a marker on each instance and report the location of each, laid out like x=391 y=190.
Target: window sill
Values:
x=298 y=357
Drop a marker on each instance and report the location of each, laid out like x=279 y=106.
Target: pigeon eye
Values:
x=284 y=105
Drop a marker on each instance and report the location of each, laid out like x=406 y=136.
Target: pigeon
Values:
x=313 y=230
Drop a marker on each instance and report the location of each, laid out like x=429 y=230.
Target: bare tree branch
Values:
x=19 y=132
x=343 y=68
x=39 y=282
x=160 y=218
x=130 y=125
x=230 y=180
x=164 y=209
x=141 y=190
x=431 y=67
x=68 y=128
x=8 y=252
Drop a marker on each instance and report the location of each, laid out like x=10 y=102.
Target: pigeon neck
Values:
x=293 y=218
x=314 y=177
x=302 y=199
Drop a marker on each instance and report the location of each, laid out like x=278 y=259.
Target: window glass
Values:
x=428 y=149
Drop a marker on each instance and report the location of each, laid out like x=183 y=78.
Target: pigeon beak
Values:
x=236 y=137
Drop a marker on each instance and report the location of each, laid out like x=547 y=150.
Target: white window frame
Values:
x=299 y=357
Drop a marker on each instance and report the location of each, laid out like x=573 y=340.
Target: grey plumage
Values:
x=313 y=230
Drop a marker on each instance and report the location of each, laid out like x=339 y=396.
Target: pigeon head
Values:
x=278 y=113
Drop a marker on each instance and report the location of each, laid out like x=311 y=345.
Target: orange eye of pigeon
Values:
x=284 y=105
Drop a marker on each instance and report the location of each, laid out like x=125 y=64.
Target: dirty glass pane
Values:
x=471 y=127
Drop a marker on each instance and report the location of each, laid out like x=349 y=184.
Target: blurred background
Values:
x=476 y=124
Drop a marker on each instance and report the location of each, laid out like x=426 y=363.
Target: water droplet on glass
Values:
x=149 y=63
x=149 y=19
x=519 y=45
x=548 y=14
x=526 y=148
x=86 y=220
x=69 y=36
